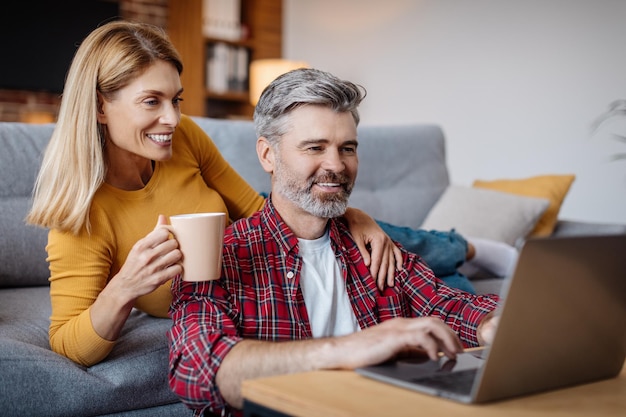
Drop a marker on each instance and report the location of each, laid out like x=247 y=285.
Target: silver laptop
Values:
x=562 y=323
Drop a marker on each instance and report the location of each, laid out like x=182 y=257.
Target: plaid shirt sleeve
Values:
x=427 y=295
x=202 y=334
x=416 y=293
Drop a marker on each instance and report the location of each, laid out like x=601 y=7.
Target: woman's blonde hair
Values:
x=73 y=166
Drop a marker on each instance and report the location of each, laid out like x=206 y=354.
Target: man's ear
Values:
x=265 y=152
x=100 y=106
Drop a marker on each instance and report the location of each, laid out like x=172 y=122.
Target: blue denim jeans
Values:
x=443 y=252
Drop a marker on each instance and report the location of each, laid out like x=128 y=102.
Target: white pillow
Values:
x=485 y=213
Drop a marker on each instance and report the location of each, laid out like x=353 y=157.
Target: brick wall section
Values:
x=39 y=107
x=27 y=106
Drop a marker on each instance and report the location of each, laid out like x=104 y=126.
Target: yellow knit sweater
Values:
x=195 y=179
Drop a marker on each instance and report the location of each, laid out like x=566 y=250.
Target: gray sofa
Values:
x=402 y=174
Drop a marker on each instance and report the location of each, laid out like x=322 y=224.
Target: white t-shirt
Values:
x=324 y=290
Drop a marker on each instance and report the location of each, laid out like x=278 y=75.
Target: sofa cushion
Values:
x=134 y=375
x=400 y=182
x=22 y=148
x=22 y=247
x=552 y=187
x=488 y=214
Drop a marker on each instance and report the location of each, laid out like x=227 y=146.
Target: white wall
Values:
x=515 y=85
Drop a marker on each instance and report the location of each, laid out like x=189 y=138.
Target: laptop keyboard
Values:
x=459 y=382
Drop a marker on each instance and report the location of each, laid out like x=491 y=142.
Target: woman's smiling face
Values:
x=141 y=117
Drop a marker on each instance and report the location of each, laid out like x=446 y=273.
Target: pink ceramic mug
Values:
x=201 y=238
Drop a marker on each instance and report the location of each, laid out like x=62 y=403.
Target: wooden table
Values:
x=348 y=394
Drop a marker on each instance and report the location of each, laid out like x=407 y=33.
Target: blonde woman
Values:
x=122 y=155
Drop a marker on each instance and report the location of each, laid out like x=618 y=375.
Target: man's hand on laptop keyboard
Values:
x=396 y=336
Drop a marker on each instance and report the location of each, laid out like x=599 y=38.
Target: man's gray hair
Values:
x=302 y=87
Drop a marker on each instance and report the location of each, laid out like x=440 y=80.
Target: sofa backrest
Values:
x=402 y=168
x=236 y=141
x=22 y=248
x=402 y=173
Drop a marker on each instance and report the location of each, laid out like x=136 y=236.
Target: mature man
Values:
x=295 y=294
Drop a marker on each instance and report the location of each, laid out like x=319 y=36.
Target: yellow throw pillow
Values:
x=554 y=188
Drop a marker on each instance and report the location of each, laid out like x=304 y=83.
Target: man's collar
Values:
x=284 y=235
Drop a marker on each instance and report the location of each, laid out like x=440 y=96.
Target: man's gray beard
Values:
x=326 y=207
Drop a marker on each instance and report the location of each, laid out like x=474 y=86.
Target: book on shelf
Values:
x=221 y=19
x=227 y=68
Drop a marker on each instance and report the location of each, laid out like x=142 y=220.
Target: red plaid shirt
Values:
x=259 y=297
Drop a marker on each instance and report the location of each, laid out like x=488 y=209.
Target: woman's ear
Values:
x=100 y=106
x=265 y=152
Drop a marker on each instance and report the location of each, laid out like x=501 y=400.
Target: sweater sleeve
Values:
x=79 y=268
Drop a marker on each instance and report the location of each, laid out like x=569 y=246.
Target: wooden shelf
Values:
x=263 y=20
x=246 y=43
x=228 y=96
